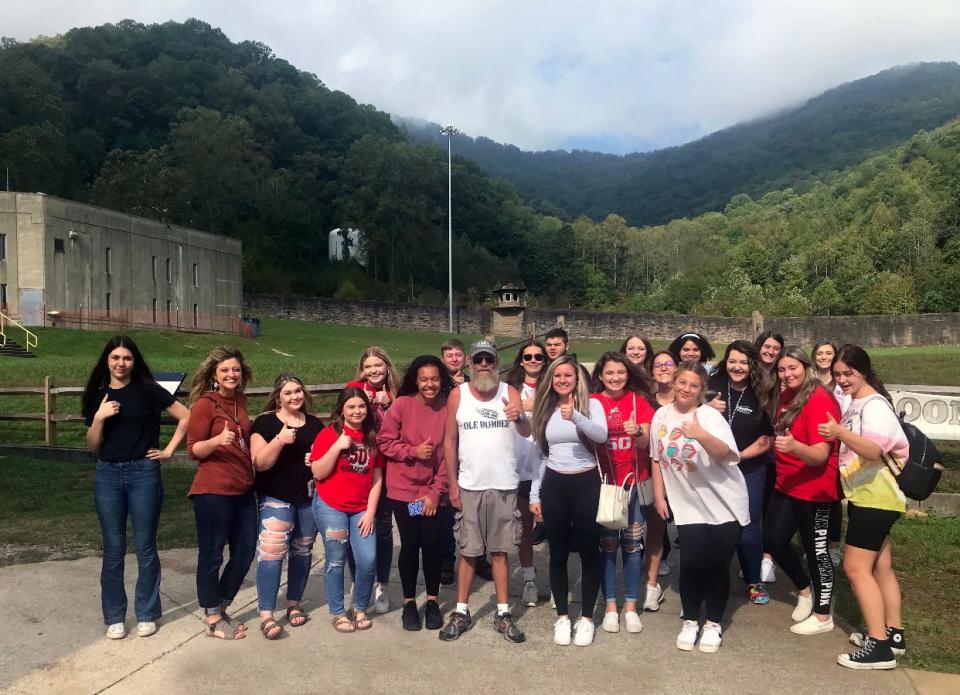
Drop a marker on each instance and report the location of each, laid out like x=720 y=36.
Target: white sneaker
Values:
x=812 y=626
x=530 y=593
x=611 y=622
x=632 y=621
x=381 y=602
x=146 y=629
x=804 y=608
x=688 y=635
x=767 y=575
x=583 y=633
x=711 y=637
x=664 y=569
x=116 y=631
x=562 y=630
x=654 y=598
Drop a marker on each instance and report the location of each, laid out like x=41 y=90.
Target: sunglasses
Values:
x=483 y=358
x=664 y=365
x=528 y=357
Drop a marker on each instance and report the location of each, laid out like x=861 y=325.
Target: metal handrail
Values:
x=4 y=319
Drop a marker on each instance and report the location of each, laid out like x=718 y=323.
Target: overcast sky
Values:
x=615 y=76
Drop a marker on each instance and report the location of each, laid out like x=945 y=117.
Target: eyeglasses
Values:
x=664 y=365
x=483 y=358
x=529 y=357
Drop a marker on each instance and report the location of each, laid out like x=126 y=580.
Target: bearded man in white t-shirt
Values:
x=483 y=418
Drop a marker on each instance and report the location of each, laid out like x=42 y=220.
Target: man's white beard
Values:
x=485 y=382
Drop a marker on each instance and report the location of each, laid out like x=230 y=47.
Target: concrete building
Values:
x=68 y=264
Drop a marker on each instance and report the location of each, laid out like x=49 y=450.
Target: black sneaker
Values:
x=447 y=574
x=410 y=616
x=433 y=618
x=898 y=644
x=507 y=626
x=484 y=568
x=875 y=654
x=457 y=624
x=539 y=534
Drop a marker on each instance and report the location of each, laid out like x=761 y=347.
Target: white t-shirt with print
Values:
x=700 y=490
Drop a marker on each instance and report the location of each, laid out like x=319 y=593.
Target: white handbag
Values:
x=612 y=511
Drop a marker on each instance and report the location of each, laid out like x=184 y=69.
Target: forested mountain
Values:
x=839 y=128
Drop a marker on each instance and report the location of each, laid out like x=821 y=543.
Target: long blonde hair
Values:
x=811 y=382
x=546 y=401
x=392 y=382
x=203 y=378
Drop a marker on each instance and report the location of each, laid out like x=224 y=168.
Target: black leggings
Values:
x=705 y=554
x=787 y=516
x=418 y=534
x=569 y=505
x=835 y=532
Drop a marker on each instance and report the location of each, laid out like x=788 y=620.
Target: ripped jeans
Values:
x=631 y=542
x=286 y=530
x=340 y=531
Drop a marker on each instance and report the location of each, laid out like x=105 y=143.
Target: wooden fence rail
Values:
x=50 y=417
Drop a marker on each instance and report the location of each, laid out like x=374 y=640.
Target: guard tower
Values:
x=508 y=310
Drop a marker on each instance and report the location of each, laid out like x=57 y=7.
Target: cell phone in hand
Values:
x=415 y=508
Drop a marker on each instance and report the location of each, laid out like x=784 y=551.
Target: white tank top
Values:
x=487 y=447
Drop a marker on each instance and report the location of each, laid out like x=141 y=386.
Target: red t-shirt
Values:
x=347 y=488
x=794 y=477
x=378 y=409
x=621 y=447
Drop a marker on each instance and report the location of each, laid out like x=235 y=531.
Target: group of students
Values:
x=742 y=456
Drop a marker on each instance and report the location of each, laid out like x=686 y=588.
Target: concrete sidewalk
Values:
x=53 y=641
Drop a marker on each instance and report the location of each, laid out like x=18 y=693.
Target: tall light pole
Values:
x=450 y=131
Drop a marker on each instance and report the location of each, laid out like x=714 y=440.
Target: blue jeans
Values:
x=279 y=522
x=750 y=545
x=630 y=542
x=132 y=487
x=223 y=520
x=332 y=523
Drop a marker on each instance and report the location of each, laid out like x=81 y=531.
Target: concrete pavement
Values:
x=52 y=641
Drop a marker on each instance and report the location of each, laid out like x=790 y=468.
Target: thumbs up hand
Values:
x=287 y=435
x=830 y=429
x=425 y=450
x=107 y=408
x=692 y=429
x=510 y=411
x=630 y=426
x=785 y=442
x=567 y=407
x=227 y=436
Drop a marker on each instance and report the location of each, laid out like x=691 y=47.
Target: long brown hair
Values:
x=392 y=382
x=369 y=425
x=857 y=358
x=638 y=380
x=273 y=400
x=546 y=401
x=203 y=378
x=810 y=384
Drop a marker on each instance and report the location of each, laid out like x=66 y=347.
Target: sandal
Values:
x=226 y=618
x=342 y=623
x=271 y=629
x=296 y=616
x=363 y=623
x=226 y=630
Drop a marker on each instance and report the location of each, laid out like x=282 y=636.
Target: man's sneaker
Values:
x=539 y=534
x=530 y=594
x=875 y=654
x=632 y=620
x=432 y=617
x=804 y=608
x=611 y=622
x=898 y=645
x=410 y=617
x=583 y=632
x=116 y=631
x=447 y=573
x=457 y=624
x=767 y=574
x=381 y=602
x=757 y=594
x=710 y=637
x=484 y=568
x=146 y=628
x=688 y=635
x=507 y=626
x=654 y=598
x=812 y=626
x=562 y=631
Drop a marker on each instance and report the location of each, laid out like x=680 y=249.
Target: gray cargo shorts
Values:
x=488 y=522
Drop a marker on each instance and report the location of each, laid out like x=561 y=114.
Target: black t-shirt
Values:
x=136 y=427
x=287 y=480
x=746 y=419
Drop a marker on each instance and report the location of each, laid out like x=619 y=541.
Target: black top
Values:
x=289 y=477
x=746 y=419
x=136 y=427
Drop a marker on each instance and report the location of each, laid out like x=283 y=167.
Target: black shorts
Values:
x=523 y=489
x=868 y=528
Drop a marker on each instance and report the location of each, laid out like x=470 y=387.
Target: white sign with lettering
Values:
x=937 y=415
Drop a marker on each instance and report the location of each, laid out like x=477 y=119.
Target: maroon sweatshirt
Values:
x=406 y=426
